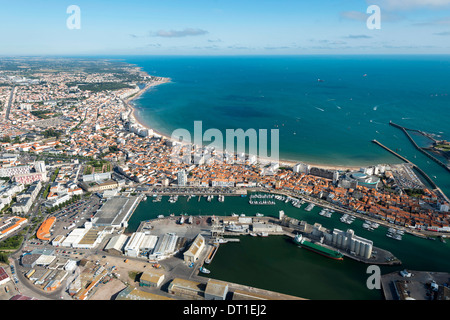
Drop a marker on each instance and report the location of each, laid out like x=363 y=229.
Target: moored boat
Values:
x=204 y=270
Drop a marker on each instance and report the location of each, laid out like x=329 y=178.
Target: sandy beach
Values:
x=282 y=162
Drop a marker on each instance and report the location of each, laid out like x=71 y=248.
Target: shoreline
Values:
x=282 y=162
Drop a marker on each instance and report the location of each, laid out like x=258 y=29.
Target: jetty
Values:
x=427 y=178
x=405 y=131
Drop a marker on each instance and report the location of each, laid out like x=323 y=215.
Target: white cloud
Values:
x=410 y=4
x=181 y=33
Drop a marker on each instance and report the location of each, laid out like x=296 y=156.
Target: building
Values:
x=4 y=277
x=116 y=211
x=22 y=206
x=187 y=289
x=216 y=290
x=132 y=248
x=132 y=293
x=165 y=247
x=151 y=278
x=58 y=201
x=363 y=179
x=13 y=171
x=182 y=178
x=95 y=186
x=116 y=244
x=39 y=166
x=351 y=242
x=301 y=168
x=43 y=232
x=97 y=177
x=194 y=251
x=8 y=226
x=29 y=178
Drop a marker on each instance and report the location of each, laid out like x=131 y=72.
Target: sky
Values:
x=223 y=27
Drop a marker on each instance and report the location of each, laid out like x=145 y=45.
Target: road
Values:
x=8 y=107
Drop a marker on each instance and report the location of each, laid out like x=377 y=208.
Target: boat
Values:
x=221 y=240
x=310 y=207
x=221 y=198
x=235 y=228
x=317 y=248
x=367 y=226
x=160 y=216
x=204 y=270
x=394 y=236
x=259 y=215
x=263 y=234
x=234 y=214
x=253 y=234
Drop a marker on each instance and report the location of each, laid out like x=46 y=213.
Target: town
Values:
x=75 y=162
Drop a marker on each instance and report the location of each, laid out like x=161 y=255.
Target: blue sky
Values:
x=220 y=27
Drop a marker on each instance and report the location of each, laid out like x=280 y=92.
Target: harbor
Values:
x=414 y=250
x=223 y=229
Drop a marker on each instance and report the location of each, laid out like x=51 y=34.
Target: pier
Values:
x=429 y=180
x=419 y=148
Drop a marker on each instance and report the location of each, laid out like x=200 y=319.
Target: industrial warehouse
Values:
x=142 y=245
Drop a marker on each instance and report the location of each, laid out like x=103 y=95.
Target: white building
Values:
x=116 y=244
x=132 y=248
x=165 y=247
x=182 y=178
x=12 y=171
x=40 y=166
x=349 y=241
x=301 y=168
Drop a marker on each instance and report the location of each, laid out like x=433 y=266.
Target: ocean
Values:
x=330 y=122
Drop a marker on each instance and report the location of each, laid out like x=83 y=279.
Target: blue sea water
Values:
x=331 y=121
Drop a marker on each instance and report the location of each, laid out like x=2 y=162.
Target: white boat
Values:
x=234 y=214
x=253 y=234
x=263 y=234
x=204 y=270
x=259 y=215
x=221 y=240
x=235 y=228
x=160 y=216
x=310 y=207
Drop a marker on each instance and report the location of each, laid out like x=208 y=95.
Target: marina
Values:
x=250 y=246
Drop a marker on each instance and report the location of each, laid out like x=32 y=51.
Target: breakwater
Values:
x=429 y=180
x=405 y=131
